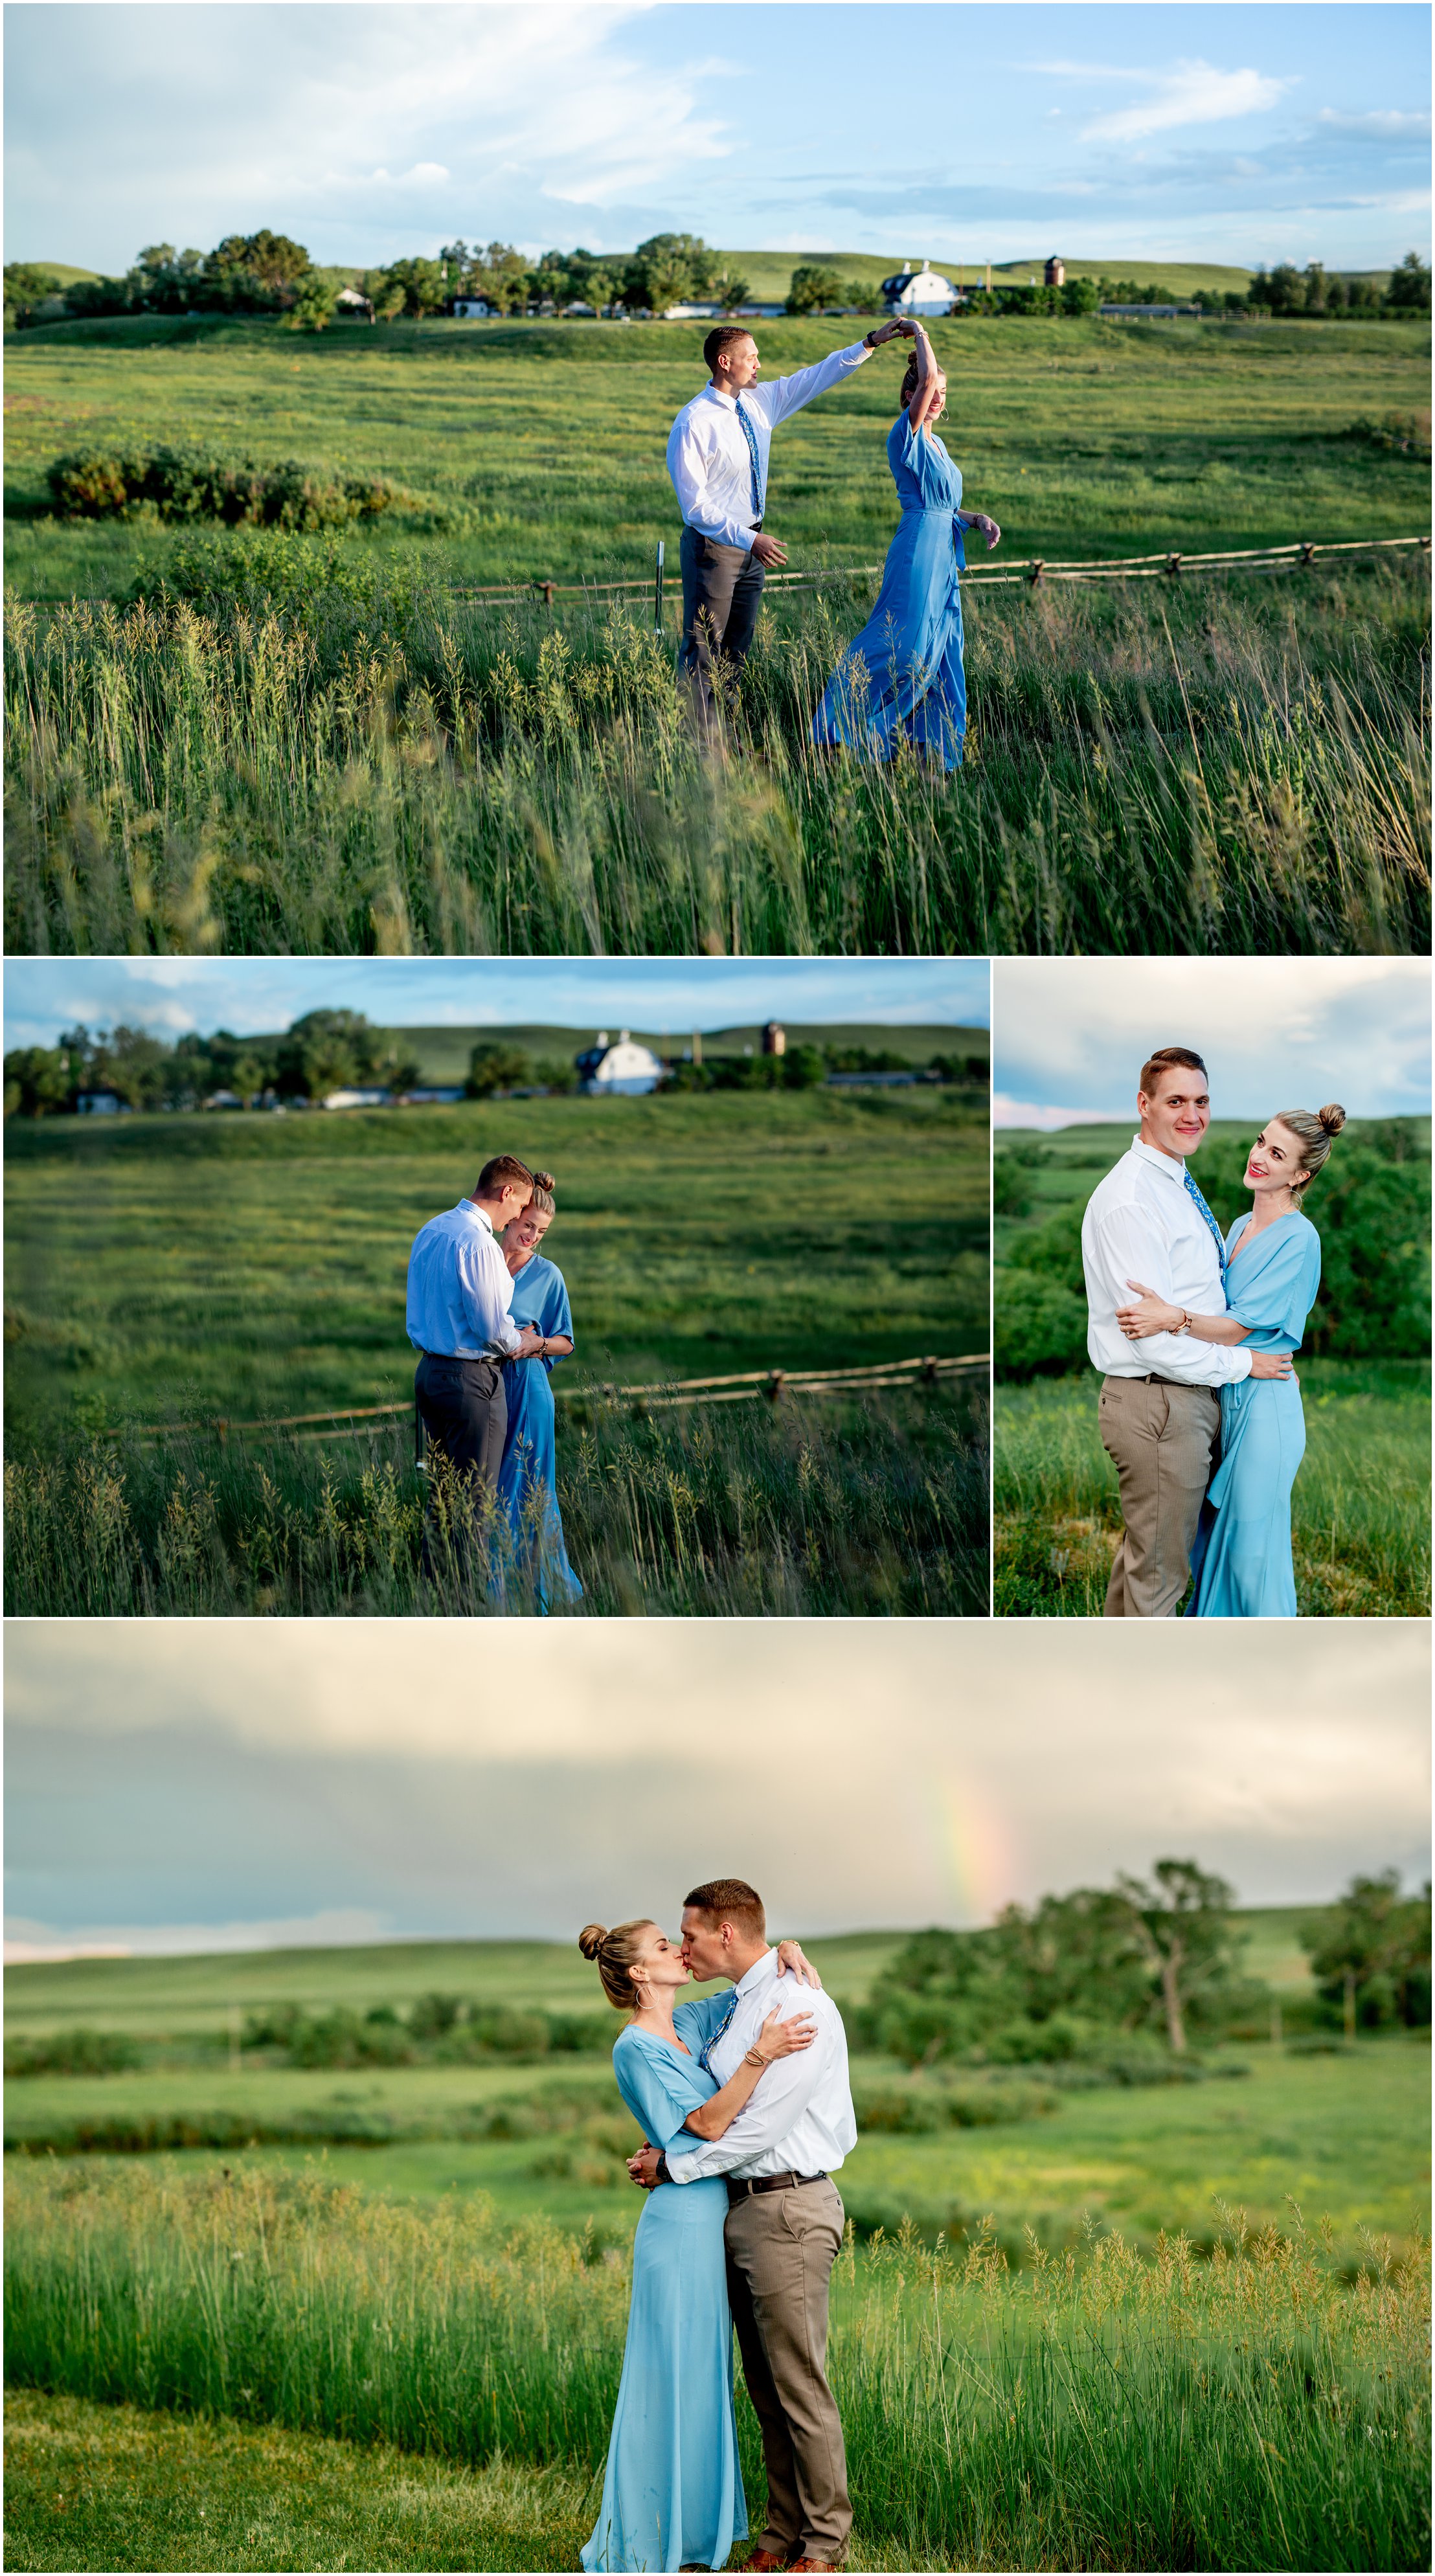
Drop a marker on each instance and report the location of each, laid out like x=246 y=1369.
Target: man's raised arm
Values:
x=787 y=394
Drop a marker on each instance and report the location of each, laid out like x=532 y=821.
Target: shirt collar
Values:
x=757 y=1974
x=470 y=1207
x=719 y=396
x=1163 y=1162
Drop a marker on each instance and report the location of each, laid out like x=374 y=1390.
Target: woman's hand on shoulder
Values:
x=779 y=2038
x=791 y=1956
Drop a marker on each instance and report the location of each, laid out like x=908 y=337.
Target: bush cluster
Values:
x=72 y=2052
x=194 y=483
x=444 y=2030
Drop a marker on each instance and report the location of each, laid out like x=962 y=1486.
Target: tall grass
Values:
x=1359 y=1512
x=815 y=1510
x=338 y=760
x=1254 y=2411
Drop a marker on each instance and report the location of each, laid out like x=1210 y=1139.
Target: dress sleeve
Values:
x=659 y=2103
x=557 y=1314
x=1279 y=1298
x=927 y=467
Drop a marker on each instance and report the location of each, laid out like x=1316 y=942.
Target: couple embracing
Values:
x=901 y=679
x=1194 y=1333
x=746 y=2113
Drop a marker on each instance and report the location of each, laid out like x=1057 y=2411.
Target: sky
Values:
x=182 y=1785
x=1071 y=1034
x=964 y=133
x=170 y=996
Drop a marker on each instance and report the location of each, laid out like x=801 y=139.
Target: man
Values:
x=459 y=1295
x=785 y=2217
x=717 y=461
x=1160 y=1411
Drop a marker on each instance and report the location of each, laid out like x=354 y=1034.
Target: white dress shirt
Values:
x=460 y=1289
x=1142 y=1223
x=800 y=2119
x=710 y=462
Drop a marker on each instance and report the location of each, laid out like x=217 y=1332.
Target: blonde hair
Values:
x=543 y=1188
x=1314 y=1131
x=615 y=1954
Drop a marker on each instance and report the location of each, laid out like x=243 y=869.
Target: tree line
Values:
x=340 y=1050
x=268 y=273
x=1370 y=1206
x=1158 y=1961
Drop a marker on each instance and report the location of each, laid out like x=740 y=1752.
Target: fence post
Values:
x=1173 y=567
x=1035 y=574
x=1307 y=558
x=774 y=1386
x=658 y=592
x=547 y=588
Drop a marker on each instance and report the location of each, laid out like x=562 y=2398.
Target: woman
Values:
x=903 y=676
x=1242 y=1556
x=672 y=2488
x=527 y=1488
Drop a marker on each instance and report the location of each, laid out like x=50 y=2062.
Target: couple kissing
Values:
x=746 y=2113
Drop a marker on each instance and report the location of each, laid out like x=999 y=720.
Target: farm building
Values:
x=348 y=1099
x=918 y=290
x=352 y=304
x=1054 y=273
x=99 y=1104
x=626 y=1068
x=774 y=1038
x=474 y=308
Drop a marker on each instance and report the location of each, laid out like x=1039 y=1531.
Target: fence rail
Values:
x=662 y=1395
x=1034 y=571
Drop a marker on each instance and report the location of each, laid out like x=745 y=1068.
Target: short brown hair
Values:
x=1159 y=1063
x=730 y=1900
x=722 y=338
x=501 y=1172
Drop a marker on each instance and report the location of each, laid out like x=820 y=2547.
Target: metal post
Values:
x=658 y=591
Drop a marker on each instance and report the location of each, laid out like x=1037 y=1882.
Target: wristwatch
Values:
x=662 y=2174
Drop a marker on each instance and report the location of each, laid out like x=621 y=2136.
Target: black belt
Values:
x=771 y=2182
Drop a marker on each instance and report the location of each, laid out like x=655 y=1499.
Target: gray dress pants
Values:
x=722 y=593
x=464 y=1411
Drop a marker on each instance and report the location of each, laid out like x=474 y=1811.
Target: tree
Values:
x=812 y=286
x=1409 y=289
x=26 y=288
x=332 y=1051
x=1080 y=295
x=1183 y=1929
x=496 y=1067
x=1371 y=1953
x=804 y=1067
x=270 y=261
x=862 y=294
x=316 y=301
x=668 y=268
x=421 y=285
x=731 y=289
x=39 y=1082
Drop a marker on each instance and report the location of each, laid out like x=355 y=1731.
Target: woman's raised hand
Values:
x=779 y=2038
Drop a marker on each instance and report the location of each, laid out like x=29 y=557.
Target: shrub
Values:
x=72 y=2052
x=194 y=483
x=1039 y=1325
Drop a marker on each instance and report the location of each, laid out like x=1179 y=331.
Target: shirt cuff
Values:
x=682 y=2168
x=508 y=1337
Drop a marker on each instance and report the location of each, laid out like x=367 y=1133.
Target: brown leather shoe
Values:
x=761 y=2561
x=814 y=2567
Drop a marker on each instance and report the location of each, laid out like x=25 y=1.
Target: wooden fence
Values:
x=663 y=1395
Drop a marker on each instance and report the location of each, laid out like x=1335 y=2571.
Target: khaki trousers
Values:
x=1163 y=1438
x=781 y=2246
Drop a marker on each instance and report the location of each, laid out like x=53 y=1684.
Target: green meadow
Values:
x=326 y=747
x=1360 y=1508
x=1114 y=2327
x=179 y=1270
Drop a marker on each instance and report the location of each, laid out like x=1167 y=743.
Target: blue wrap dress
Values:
x=527 y=1473
x=672 y=2487
x=903 y=676
x=1242 y=1556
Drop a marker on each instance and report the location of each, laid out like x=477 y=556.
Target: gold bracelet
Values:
x=754 y=2057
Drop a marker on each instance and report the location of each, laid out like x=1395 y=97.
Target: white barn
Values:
x=918 y=290
x=624 y=1068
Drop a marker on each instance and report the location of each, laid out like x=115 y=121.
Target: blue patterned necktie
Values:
x=750 y=434
x=710 y=2043
x=1210 y=1220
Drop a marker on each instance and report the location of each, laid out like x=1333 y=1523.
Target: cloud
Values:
x=1394 y=121
x=209 y=1784
x=1072 y=1033
x=1195 y=93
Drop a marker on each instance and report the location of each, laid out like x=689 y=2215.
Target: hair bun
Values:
x=544 y=1180
x=1332 y=1118
x=591 y=1939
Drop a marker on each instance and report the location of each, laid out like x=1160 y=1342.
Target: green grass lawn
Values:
x=1083 y=438
x=252 y=1266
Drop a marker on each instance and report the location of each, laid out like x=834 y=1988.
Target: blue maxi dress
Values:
x=527 y=1473
x=903 y=675
x=1242 y=1556
x=672 y=2487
